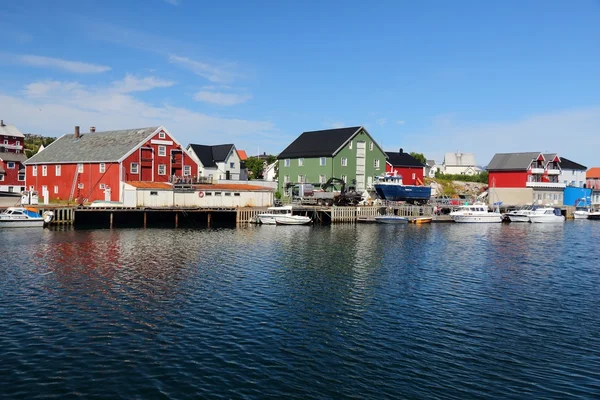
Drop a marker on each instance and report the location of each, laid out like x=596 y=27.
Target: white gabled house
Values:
x=219 y=162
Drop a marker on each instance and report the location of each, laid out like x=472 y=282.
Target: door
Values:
x=146 y=164
x=107 y=194
x=361 y=147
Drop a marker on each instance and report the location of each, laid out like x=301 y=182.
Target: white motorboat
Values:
x=520 y=215
x=477 y=212
x=582 y=209
x=20 y=217
x=594 y=215
x=292 y=220
x=547 y=215
x=268 y=218
x=391 y=219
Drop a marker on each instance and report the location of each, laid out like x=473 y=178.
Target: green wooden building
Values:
x=350 y=154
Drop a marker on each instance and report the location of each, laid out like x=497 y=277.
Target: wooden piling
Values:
x=176 y=220
x=145 y=219
x=111 y=220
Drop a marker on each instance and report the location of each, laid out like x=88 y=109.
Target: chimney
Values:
x=92 y=129
x=1 y=122
x=76 y=135
x=401 y=150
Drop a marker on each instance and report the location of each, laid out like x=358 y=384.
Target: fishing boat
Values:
x=20 y=217
x=292 y=220
x=476 y=212
x=547 y=215
x=391 y=219
x=268 y=218
x=390 y=187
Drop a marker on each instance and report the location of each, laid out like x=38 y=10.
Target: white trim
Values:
x=353 y=136
x=162 y=142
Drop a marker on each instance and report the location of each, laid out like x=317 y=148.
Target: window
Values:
x=161 y=135
x=34 y=171
x=18 y=143
x=236 y=194
x=555 y=196
x=300 y=178
x=162 y=169
x=102 y=186
x=153 y=193
x=371 y=146
x=286 y=162
x=286 y=179
x=344 y=162
x=580 y=183
x=414 y=176
x=344 y=178
x=301 y=162
x=208 y=194
x=162 y=151
x=134 y=168
x=232 y=165
x=102 y=168
x=80 y=186
x=57 y=169
x=350 y=146
x=376 y=164
x=21 y=176
x=80 y=168
x=187 y=170
x=217 y=193
x=227 y=193
x=1 y=177
x=322 y=161
x=11 y=165
x=5 y=141
x=55 y=189
x=44 y=170
x=322 y=179
x=44 y=189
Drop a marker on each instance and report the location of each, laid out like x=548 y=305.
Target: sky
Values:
x=430 y=76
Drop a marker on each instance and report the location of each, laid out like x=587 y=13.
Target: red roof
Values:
x=149 y=185
x=242 y=154
x=234 y=187
x=593 y=173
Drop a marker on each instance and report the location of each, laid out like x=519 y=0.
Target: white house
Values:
x=269 y=172
x=572 y=173
x=431 y=168
x=460 y=164
x=219 y=162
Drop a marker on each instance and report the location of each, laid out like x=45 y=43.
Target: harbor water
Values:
x=348 y=311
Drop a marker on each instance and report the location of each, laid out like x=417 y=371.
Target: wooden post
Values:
x=208 y=220
x=176 y=219
x=111 y=220
x=145 y=219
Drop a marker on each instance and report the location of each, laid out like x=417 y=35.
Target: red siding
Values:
x=11 y=175
x=407 y=174
x=508 y=179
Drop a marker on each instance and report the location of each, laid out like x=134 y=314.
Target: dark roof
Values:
x=210 y=155
x=512 y=161
x=565 y=163
x=18 y=157
x=93 y=147
x=403 y=160
x=318 y=143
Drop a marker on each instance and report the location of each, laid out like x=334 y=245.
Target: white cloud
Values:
x=400 y=122
x=222 y=99
x=53 y=107
x=381 y=121
x=334 y=124
x=71 y=66
x=214 y=73
x=132 y=83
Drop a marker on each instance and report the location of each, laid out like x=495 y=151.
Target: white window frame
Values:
x=18 y=143
x=164 y=169
x=322 y=161
x=286 y=178
x=44 y=170
x=286 y=162
x=80 y=168
x=187 y=170
x=1 y=177
x=57 y=170
x=344 y=178
x=10 y=165
x=414 y=175
x=231 y=165
x=44 y=187
x=350 y=146
x=134 y=168
x=301 y=162
x=34 y=170
x=161 y=135
x=19 y=175
x=55 y=189
x=376 y=163
x=344 y=161
x=371 y=146
x=102 y=186
x=102 y=168
x=162 y=151
x=322 y=179
x=80 y=186
x=301 y=178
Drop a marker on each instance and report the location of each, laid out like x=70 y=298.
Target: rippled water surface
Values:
x=440 y=311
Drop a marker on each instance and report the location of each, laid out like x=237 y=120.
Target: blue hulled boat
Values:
x=390 y=187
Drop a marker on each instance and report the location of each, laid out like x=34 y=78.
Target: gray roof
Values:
x=18 y=157
x=10 y=130
x=512 y=161
x=107 y=146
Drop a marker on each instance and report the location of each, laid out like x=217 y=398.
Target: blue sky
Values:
x=427 y=76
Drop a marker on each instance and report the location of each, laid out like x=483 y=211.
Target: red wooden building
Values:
x=93 y=166
x=12 y=157
x=404 y=164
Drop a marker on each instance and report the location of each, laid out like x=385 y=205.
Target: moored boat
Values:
x=547 y=215
x=421 y=220
x=582 y=209
x=292 y=220
x=390 y=187
x=268 y=218
x=476 y=213
x=20 y=217
x=520 y=215
x=391 y=219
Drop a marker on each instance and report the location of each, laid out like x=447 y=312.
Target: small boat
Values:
x=547 y=215
x=292 y=220
x=391 y=219
x=476 y=212
x=421 y=220
x=595 y=215
x=520 y=215
x=582 y=209
x=20 y=217
x=268 y=218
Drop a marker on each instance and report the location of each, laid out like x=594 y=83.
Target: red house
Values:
x=93 y=166
x=12 y=170
x=406 y=165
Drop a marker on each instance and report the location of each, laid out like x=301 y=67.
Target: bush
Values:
x=481 y=178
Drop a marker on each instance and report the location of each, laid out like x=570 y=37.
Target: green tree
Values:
x=256 y=166
x=419 y=156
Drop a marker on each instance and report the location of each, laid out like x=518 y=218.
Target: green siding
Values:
x=333 y=167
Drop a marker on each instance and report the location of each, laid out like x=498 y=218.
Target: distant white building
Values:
x=572 y=173
x=217 y=162
x=269 y=172
x=431 y=168
x=460 y=164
